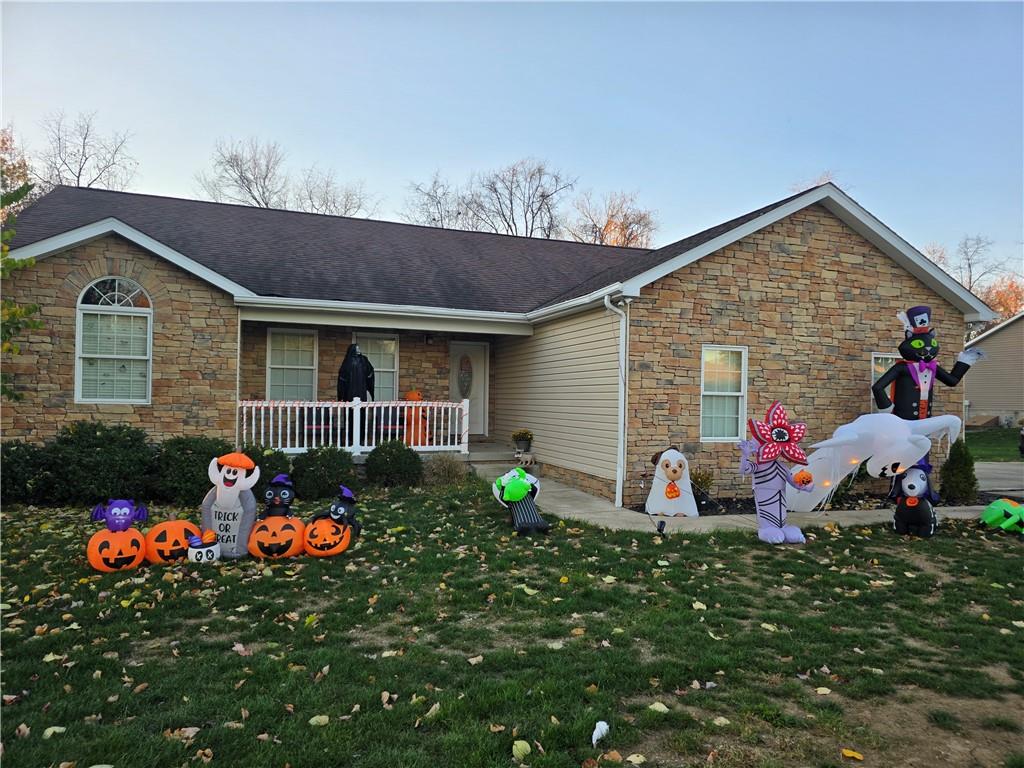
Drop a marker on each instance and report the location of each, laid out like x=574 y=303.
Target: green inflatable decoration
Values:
x=1005 y=514
x=514 y=485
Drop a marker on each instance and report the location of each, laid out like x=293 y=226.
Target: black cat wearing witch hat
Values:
x=914 y=378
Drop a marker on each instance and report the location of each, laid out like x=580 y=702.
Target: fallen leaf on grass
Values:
x=852 y=754
x=658 y=707
x=140 y=687
x=769 y=627
x=823 y=691
x=520 y=749
x=473 y=661
x=612 y=756
x=528 y=590
x=609 y=579
x=699 y=606
x=578 y=631
x=496 y=728
x=51 y=657
x=600 y=731
x=319 y=720
x=53 y=730
x=432 y=712
x=241 y=650
x=636 y=759
x=557 y=645
x=234 y=724
x=592 y=688
x=720 y=721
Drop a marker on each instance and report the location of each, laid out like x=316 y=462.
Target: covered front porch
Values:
x=432 y=388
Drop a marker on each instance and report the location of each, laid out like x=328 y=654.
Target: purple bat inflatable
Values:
x=119 y=514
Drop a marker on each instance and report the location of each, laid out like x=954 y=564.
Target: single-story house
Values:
x=200 y=318
x=995 y=387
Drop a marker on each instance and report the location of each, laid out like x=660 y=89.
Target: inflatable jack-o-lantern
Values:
x=109 y=551
x=168 y=541
x=276 y=537
x=326 y=537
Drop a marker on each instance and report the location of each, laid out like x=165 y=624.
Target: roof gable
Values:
x=997 y=329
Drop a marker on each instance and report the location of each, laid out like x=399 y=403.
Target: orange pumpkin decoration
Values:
x=325 y=537
x=168 y=541
x=110 y=551
x=803 y=477
x=276 y=537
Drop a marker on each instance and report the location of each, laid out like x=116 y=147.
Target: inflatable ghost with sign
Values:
x=890 y=445
x=229 y=509
x=671 y=493
x=775 y=438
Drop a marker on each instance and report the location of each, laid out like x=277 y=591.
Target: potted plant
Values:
x=522 y=438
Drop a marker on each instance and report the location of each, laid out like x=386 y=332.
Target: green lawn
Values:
x=996 y=444
x=440 y=640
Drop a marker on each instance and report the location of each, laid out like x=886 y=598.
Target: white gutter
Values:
x=620 y=456
x=547 y=313
x=272 y=302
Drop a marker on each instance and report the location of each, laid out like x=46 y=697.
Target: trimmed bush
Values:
x=959 y=483
x=22 y=466
x=394 y=463
x=90 y=462
x=181 y=470
x=318 y=473
x=443 y=469
x=271 y=463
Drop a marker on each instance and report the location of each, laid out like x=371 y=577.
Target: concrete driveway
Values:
x=1000 y=476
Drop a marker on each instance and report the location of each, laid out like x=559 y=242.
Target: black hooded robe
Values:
x=355 y=376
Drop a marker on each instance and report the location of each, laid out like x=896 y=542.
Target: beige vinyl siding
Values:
x=562 y=383
x=995 y=386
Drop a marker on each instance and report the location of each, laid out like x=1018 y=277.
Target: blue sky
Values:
x=705 y=111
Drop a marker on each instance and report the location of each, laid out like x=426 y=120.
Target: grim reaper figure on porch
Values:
x=355 y=379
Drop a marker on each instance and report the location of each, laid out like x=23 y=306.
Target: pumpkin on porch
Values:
x=168 y=541
x=276 y=537
x=109 y=551
x=325 y=537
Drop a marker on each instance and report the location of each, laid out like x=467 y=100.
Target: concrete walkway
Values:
x=571 y=504
x=1000 y=476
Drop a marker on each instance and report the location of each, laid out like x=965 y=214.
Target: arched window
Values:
x=114 y=343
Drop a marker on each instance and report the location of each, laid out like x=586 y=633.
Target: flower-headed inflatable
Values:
x=773 y=439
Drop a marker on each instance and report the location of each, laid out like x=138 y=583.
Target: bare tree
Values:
x=318 y=191
x=613 y=220
x=247 y=172
x=436 y=203
x=77 y=155
x=973 y=264
x=520 y=199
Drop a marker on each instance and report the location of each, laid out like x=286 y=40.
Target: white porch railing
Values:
x=294 y=426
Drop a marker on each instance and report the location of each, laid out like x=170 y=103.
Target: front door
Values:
x=468 y=363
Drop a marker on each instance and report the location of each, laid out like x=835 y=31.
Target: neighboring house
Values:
x=197 y=318
x=995 y=386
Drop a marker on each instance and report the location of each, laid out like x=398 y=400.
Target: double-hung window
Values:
x=291 y=364
x=113 y=343
x=382 y=351
x=723 y=393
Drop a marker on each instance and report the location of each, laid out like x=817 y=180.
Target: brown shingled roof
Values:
x=299 y=255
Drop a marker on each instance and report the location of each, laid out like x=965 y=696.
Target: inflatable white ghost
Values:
x=889 y=444
x=671 y=493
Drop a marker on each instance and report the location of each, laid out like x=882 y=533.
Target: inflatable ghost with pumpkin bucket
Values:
x=671 y=493
x=229 y=509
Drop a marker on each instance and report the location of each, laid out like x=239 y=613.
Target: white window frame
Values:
x=894 y=356
x=357 y=335
x=742 y=395
x=103 y=309
x=316 y=357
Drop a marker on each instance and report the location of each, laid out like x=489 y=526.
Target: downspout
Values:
x=238 y=371
x=620 y=457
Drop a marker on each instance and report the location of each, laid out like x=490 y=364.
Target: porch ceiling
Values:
x=396 y=318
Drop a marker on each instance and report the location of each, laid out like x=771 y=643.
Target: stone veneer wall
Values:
x=194 y=339
x=811 y=299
